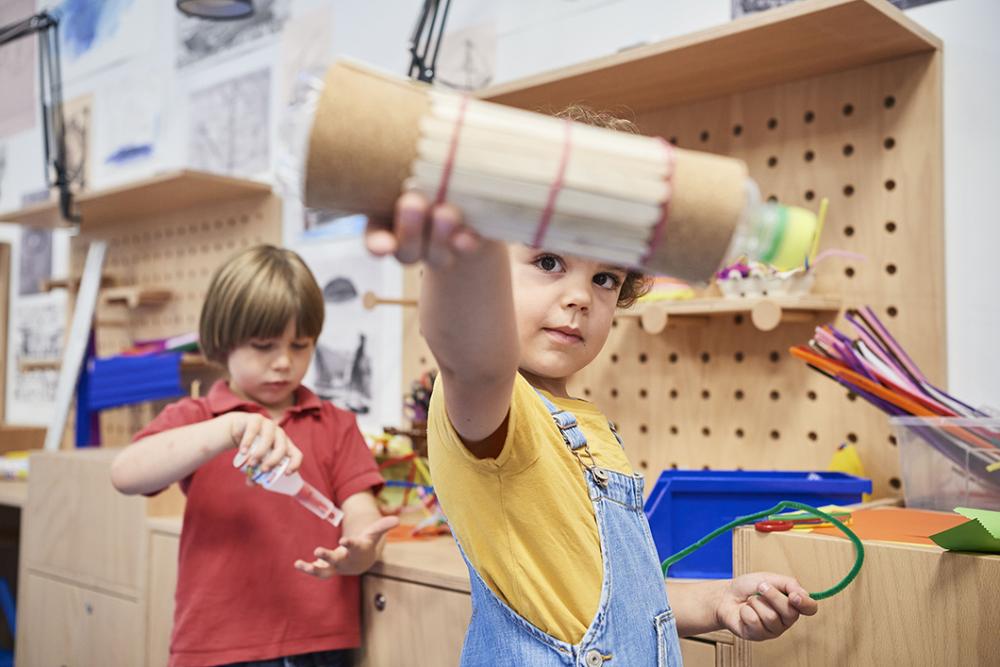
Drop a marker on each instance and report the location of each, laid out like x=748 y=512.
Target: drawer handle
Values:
x=379 y=602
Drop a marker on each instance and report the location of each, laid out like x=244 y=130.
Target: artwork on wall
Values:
x=94 y=35
x=230 y=125
x=129 y=118
x=36 y=330
x=468 y=58
x=358 y=355
x=17 y=72
x=35 y=260
x=743 y=7
x=76 y=119
x=198 y=39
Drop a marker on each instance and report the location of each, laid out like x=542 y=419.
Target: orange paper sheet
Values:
x=895 y=524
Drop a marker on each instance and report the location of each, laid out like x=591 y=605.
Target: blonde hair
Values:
x=636 y=283
x=254 y=295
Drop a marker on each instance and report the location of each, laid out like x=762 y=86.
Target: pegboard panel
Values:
x=725 y=395
x=178 y=251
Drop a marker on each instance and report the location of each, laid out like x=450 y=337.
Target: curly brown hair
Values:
x=636 y=283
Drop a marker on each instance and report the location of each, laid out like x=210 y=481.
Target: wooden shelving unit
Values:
x=797 y=41
x=155 y=196
x=766 y=313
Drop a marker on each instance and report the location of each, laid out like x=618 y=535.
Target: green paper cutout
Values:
x=981 y=533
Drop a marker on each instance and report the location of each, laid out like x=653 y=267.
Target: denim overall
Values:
x=634 y=625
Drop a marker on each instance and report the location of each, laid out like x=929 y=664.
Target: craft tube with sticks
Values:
x=524 y=177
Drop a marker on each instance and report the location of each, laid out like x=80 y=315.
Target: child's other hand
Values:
x=762 y=605
x=354 y=555
x=419 y=231
x=263 y=441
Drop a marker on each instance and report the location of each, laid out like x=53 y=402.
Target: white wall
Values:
x=538 y=35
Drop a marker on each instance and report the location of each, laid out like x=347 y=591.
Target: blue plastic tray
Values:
x=686 y=505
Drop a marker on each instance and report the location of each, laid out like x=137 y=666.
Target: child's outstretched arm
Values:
x=466 y=314
x=155 y=462
x=755 y=606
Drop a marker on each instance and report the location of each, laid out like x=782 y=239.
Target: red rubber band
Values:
x=557 y=183
x=449 y=162
x=661 y=225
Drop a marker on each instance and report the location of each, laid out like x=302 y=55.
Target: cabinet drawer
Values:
x=697 y=653
x=62 y=625
x=404 y=623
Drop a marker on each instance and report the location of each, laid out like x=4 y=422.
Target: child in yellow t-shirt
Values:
x=539 y=493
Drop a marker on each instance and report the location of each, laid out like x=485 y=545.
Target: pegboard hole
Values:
x=848 y=150
x=673 y=466
x=673 y=140
x=892 y=440
x=614 y=358
x=892 y=311
x=738 y=394
x=889 y=143
x=847 y=109
x=674 y=393
x=643 y=428
x=705 y=357
x=706 y=394
x=739 y=357
x=851 y=396
x=586 y=391
x=852 y=438
x=809 y=117
x=706 y=431
x=739 y=433
x=890 y=185
x=812 y=435
x=643 y=393
x=772 y=161
x=895 y=483
x=737 y=130
x=848 y=190
x=614 y=393
x=889 y=102
x=809 y=156
x=773 y=199
x=643 y=465
x=673 y=357
x=704 y=136
x=643 y=357
x=614 y=323
x=772 y=123
x=673 y=430
x=775 y=395
x=775 y=435
x=811 y=395
x=810 y=195
x=849 y=272
x=890 y=227
x=738 y=319
x=890 y=269
x=775 y=356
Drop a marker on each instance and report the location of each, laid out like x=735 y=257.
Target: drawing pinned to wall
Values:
x=198 y=39
x=94 y=35
x=128 y=122
x=17 y=72
x=76 y=119
x=35 y=260
x=743 y=7
x=468 y=58
x=37 y=327
x=358 y=355
x=230 y=126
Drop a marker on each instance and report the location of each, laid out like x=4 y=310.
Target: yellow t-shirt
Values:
x=525 y=519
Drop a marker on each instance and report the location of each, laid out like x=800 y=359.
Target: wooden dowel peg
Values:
x=370 y=300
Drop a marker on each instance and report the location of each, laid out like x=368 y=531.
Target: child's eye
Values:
x=607 y=280
x=300 y=345
x=548 y=263
x=263 y=347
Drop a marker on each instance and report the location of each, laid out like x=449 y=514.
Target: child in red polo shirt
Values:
x=238 y=599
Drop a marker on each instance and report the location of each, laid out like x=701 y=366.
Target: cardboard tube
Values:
x=363 y=140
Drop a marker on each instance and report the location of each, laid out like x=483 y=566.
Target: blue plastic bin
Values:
x=686 y=505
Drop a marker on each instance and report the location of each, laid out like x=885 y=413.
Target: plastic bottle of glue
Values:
x=290 y=485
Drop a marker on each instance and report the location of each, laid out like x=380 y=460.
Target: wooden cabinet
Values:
x=164 y=544
x=411 y=623
x=83 y=564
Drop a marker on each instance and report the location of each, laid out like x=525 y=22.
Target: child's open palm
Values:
x=762 y=605
x=354 y=555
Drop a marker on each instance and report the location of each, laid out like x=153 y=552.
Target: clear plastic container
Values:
x=291 y=485
x=773 y=233
x=941 y=468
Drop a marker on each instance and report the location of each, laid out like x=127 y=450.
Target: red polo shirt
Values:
x=238 y=596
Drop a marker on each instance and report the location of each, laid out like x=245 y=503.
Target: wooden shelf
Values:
x=766 y=313
x=159 y=195
x=797 y=41
x=136 y=295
